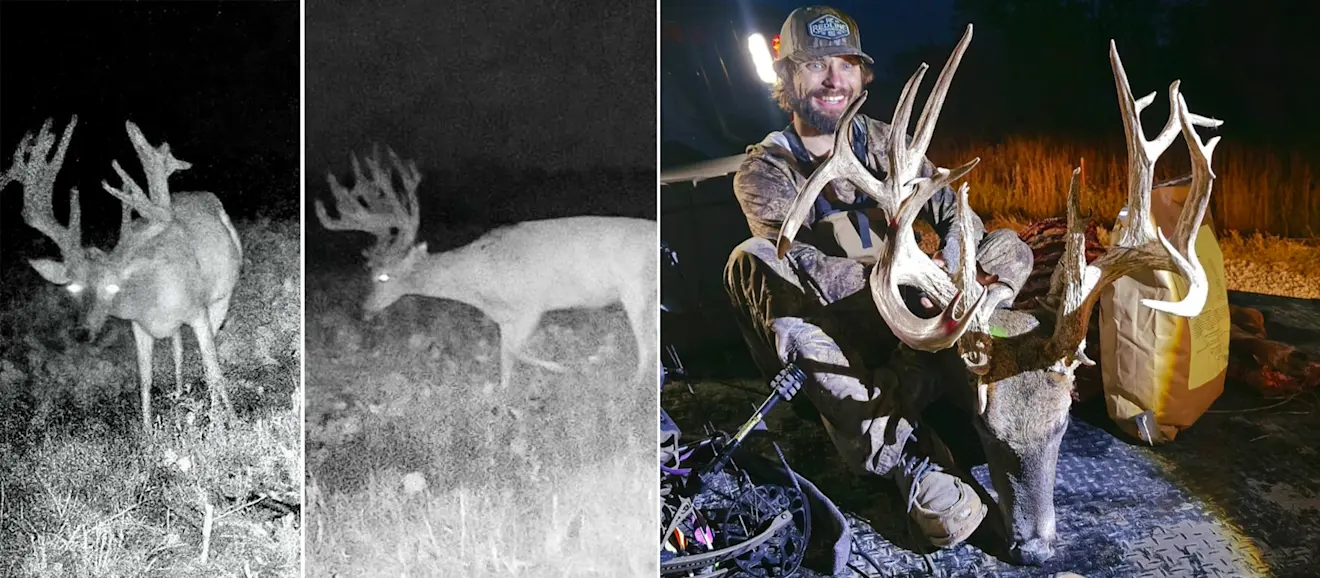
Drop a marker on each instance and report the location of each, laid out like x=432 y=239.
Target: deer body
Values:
x=181 y=273
x=1020 y=363
x=168 y=276
x=516 y=274
x=513 y=274
x=176 y=267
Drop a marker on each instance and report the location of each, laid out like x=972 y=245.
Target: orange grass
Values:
x=1256 y=191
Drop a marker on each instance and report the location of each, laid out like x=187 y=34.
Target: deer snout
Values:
x=1033 y=552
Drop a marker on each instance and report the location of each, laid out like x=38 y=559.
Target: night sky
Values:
x=217 y=81
x=1042 y=67
x=553 y=85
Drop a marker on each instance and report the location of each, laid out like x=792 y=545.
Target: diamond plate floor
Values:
x=1238 y=494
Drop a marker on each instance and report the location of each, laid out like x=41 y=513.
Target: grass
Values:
x=85 y=492
x=419 y=464
x=1026 y=178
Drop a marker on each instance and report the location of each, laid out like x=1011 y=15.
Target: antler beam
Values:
x=36 y=170
x=373 y=206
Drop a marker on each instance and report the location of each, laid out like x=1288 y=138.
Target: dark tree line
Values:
x=1043 y=67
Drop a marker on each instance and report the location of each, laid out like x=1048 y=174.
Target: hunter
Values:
x=814 y=308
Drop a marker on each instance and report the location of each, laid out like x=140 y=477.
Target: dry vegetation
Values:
x=83 y=492
x=1266 y=207
x=419 y=465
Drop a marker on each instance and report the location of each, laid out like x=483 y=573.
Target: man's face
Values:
x=823 y=89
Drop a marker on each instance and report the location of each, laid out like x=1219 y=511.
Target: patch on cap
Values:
x=828 y=27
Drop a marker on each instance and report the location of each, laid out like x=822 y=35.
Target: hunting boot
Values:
x=945 y=508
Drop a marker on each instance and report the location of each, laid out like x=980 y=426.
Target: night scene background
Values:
x=218 y=82
x=512 y=111
x=1033 y=96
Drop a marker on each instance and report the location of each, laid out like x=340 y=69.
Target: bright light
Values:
x=761 y=58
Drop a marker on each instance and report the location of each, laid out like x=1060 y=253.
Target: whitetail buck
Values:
x=512 y=274
x=1020 y=379
x=176 y=267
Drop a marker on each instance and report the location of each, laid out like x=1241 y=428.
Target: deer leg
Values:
x=178 y=362
x=636 y=307
x=217 y=313
x=513 y=336
x=145 y=346
x=215 y=378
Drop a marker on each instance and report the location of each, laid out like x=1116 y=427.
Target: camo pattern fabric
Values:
x=814 y=309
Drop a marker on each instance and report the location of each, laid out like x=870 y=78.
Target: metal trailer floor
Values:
x=1238 y=494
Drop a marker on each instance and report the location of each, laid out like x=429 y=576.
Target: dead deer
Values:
x=1020 y=362
x=513 y=274
x=176 y=267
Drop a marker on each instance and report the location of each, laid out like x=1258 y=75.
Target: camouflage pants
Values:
x=816 y=311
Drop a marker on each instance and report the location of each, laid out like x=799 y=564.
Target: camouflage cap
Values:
x=816 y=32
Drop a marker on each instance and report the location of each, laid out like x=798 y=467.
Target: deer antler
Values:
x=37 y=172
x=901 y=196
x=158 y=164
x=373 y=206
x=1076 y=286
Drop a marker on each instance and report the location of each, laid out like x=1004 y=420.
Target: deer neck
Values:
x=458 y=275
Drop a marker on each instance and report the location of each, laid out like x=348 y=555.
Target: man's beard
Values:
x=818 y=120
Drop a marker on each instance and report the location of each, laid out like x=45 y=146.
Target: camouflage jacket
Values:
x=769 y=179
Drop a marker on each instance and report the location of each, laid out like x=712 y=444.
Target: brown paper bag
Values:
x=1161 y=372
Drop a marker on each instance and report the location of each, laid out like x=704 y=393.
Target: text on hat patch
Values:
x=828 y=27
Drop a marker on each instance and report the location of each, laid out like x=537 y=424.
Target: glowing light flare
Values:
x=760 y=50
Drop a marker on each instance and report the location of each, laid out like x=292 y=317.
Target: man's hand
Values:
x=985 y=279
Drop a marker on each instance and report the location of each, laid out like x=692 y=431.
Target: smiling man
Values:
x=813 y=307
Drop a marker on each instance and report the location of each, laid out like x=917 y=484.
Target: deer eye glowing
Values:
x=112 y=288
x=383 y=277
x=74 y=288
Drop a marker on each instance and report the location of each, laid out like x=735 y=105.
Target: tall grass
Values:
x=1256 y=190
x=419 y=464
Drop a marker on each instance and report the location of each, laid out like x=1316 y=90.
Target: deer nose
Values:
x=81 y=335
x=1033 y=552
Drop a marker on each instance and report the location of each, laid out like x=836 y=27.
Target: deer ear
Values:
x=52 y=271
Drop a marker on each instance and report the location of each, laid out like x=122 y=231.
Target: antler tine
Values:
x=157 y=164
x=974 y=342
x=37 y=175
x=931 y=113
x=1142 y=153
x=1140 y=246
x=842 y=164
x=135 y=198
x=1203 y=175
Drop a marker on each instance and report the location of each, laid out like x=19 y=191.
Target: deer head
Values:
x=1020 y=362
x=35 y=169
x=373 y=206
